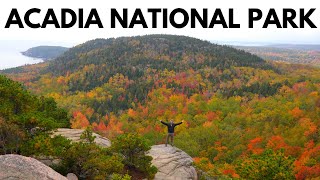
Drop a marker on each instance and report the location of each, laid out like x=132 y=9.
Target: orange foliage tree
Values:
x=79 y=121
x=255 y=145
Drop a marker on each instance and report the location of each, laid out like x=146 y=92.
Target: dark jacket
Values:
x=171 y=126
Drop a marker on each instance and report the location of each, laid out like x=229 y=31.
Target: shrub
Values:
x=89 y=161
x=120 y=177
x=133 y=148
x=44 y=145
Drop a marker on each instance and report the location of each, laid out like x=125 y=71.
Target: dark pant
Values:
x=170 y=135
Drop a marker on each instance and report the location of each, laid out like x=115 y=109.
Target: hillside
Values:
x=45 y=52
x=241 y=112
x=306 y=47
x=133 y=56
x=128 y=68
x=301 y=54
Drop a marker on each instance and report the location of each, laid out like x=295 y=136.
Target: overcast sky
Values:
x=76 y=35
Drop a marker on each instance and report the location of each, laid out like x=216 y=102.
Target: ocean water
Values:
x=10 y=52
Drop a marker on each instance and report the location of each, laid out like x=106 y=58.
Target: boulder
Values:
x=172 y=163
x=74 y=135
x=14 y=167
x=71 y=176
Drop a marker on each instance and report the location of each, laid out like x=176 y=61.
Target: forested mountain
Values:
x=45 y=52
x=126 y=69
x=241 y=113
x=132 y=57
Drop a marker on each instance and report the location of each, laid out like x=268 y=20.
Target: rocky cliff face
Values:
x=172 y=163
x=14 y=167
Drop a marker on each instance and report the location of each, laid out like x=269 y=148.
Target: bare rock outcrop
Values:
x=172 y=163
x=74 y=135
x=14 y=167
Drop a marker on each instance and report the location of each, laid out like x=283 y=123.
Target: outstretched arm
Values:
x=164 y=123
x=178 y=123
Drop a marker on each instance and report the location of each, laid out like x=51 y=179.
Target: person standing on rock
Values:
x=171 y=125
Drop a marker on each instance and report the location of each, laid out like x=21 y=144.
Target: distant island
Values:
x=45 y=52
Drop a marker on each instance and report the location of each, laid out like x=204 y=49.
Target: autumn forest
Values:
x=245 y=117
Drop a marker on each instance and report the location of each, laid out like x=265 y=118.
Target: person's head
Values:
x=171 y=121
